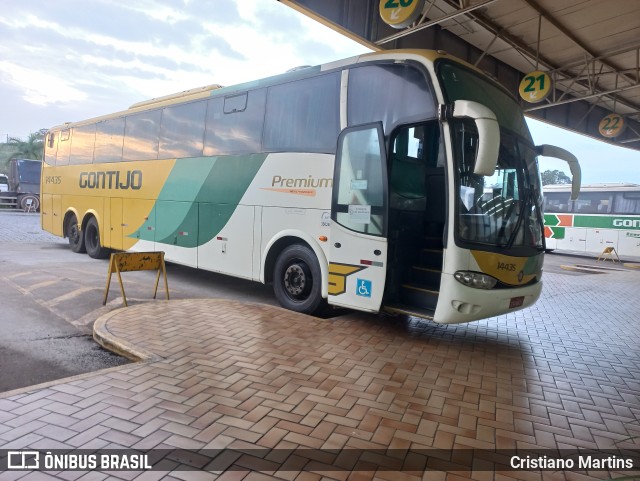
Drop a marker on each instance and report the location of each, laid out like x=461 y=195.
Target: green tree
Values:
x=555 y=177
x=32 y=148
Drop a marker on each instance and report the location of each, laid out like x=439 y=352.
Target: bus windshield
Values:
x=505 y=209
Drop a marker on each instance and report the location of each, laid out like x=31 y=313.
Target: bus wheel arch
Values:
x=71 y=230
x=295 y=269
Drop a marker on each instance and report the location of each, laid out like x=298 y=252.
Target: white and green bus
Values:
x=605 y=215
x=360 y=183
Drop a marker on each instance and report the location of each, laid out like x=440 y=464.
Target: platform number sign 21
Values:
x=400 y=13
x=535 y=87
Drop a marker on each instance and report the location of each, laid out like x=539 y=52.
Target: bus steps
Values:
x=423 y=286
x=431 y=258
x=419 y=296
x=409 y=311
x=426 y=276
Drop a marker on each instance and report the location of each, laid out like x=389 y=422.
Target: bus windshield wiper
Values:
x=521 y=214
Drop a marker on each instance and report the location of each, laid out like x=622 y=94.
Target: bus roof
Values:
x=295 y=74
x=603 y=187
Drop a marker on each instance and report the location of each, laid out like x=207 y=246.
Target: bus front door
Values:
x=359 y=211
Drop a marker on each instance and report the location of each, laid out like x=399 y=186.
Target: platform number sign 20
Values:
x=535 y=87
x=397 y=3
x=400 y=13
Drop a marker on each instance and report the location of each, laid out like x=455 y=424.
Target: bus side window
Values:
x=51 y=149
x=141 y=134
x=303 y=116
x=182 y=130
x=593 y=203
x=64 y=147
x=234 y=123
x=82 y=144
x=393 y=94
x=109 y=138
x=556 y=202
x=627 y=203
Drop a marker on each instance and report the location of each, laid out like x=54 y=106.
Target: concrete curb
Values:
x=109 y=341
x=55 y=382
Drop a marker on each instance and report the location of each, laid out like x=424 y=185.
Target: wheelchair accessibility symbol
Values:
x=363 y=288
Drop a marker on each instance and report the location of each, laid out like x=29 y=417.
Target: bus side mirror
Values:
x=559 y=153
x=488 y=134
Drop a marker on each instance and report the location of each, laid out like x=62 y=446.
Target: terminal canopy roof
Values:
x=589 y=48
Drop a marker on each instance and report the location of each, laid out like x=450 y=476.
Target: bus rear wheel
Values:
x=75 y=235
x=297 y=280
x=92 y=240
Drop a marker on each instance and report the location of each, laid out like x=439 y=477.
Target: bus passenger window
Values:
x=182 y=130
x=51 y=148
x=109 y=137
x=141 y=133
x=82 y=143
x=303 y=116
x=593 y=203
x=392 y=94
x=556 y=202
x=64 y=147
x=234 y=124
x=627 y=203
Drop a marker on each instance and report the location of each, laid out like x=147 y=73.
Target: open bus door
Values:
x=359 y=214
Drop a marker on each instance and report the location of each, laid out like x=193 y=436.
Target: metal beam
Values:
x=525 y=50
x=599 y=94
x=437 y=21
x=564 y=31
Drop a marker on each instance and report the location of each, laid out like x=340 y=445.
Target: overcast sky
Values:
x=69 y=60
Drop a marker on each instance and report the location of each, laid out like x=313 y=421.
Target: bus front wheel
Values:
x=75 y=235
x=92 y=240
x=297 y=280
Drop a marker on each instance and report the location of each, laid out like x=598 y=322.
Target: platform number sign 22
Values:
x=611 y=126
x=535 y=87
x=400 y=13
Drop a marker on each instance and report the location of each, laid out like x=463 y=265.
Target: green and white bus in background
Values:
x=605 y=215
x=360 y=183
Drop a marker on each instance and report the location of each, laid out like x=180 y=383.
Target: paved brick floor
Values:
x=223 y=374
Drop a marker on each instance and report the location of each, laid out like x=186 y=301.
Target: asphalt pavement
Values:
x=36 y=343
x=50 y=298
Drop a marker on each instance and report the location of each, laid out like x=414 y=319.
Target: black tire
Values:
x=35 y=203
x=75 y=234
x=297 y=280
x=92 y=240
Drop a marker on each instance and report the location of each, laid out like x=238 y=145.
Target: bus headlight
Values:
x=475 y=279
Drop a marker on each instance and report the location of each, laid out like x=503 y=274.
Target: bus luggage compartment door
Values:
x=359 y=212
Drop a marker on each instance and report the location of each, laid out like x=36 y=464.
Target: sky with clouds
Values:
x=70 y=60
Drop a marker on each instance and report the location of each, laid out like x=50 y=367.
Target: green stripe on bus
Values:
x=200 y=195
x=596 y=221
x=606 y=222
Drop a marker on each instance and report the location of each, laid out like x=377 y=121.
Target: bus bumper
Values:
x=458 y=303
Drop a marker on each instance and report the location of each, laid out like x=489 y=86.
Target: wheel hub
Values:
x=74 y=234
x=295 y=280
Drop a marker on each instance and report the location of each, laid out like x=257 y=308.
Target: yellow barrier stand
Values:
x=136 y=261
x=608 y=251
